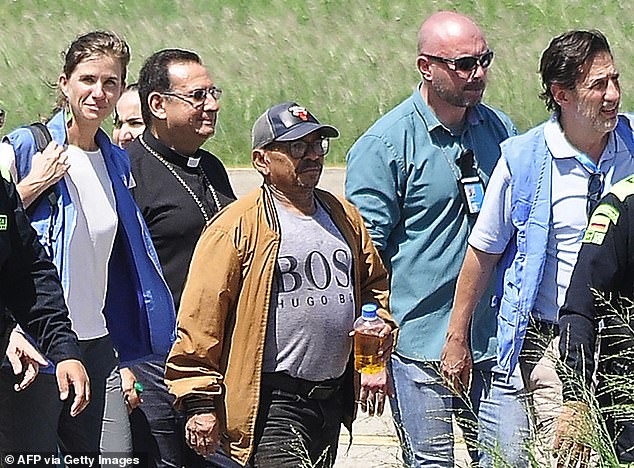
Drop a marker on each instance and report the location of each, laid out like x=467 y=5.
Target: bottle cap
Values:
x=138 y=387
x=368 y=311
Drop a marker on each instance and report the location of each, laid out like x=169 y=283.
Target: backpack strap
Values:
x=42 y=137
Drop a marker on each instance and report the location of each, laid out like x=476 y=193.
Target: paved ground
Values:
x=244 y=180
x=374 y=444
x=374 y=441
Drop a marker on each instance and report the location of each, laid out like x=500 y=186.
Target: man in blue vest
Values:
x=417 y=176
x=534 y=217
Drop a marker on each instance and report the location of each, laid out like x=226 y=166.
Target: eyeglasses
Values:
x=595 y=188
x=468 y=63
x=298 y=149
x=197 y=97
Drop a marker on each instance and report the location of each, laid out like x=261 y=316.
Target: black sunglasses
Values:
x=468 y=63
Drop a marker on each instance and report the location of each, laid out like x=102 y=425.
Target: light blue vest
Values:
x=139 y=309
x=521 y=268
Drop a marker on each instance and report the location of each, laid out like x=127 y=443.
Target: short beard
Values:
x=606 y=126
x=599 y=123
x=455 y=98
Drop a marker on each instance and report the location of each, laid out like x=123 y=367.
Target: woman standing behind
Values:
x=77 y=193
x=128 y=122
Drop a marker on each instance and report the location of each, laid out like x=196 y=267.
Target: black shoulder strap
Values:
x=42 y=137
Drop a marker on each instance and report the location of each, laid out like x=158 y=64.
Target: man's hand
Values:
x=374 y=389
x=572 y=426
x=202 y=434
x=72 y=372
x=24 y=357
x=455 y=358
x=456 y=364
x=386 y=342
x=130 y=394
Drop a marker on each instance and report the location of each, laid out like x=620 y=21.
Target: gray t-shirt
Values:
x=312 y=302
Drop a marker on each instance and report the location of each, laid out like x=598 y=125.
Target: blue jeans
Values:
x=493 y=418
x=155 y=424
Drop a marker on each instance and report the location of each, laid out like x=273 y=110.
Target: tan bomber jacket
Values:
x=224 y=309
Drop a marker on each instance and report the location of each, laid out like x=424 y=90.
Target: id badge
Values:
x=473 y=191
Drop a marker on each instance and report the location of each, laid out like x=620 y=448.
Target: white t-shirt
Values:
x=494 y=229
x=92 y=240
x=7 y=159
x=93 y=237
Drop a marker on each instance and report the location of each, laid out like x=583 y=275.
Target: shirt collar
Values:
x=166 y=152
x=561 y=148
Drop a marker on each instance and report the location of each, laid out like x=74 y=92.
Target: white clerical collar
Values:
x=193 y=162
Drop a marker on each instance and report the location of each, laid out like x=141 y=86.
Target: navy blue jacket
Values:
x=29 y=285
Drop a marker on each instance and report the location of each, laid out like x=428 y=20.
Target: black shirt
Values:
x=29 y=284
x=598 y=308
x=174 y=218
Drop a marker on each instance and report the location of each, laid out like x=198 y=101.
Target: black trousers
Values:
x=292 y=429
x=158 y=430
x=35 y=420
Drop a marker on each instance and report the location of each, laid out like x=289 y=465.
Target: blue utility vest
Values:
x=521 y=267
x=139 y=308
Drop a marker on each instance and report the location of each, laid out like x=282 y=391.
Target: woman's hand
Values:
x=130 y=394
x=47 y=168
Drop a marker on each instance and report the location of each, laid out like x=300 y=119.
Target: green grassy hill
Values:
x=348 y=61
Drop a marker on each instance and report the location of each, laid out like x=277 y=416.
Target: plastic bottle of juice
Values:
x=367 y=341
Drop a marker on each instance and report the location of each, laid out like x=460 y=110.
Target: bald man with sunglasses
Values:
x=418 y=177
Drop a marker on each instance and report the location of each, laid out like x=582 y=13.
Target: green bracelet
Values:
x=138 y=387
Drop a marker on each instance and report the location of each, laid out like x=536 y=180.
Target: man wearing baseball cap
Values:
x=263 y=360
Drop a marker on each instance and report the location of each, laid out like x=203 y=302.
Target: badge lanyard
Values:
x=588 y=164
x=470 y=184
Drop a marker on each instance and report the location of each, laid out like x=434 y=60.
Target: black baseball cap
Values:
x=287 y=122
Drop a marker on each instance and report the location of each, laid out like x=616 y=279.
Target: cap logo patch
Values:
x=299 y=112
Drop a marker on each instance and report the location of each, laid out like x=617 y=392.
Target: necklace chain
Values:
x=187 y=188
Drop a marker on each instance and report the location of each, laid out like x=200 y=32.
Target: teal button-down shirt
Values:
x=403 y=176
